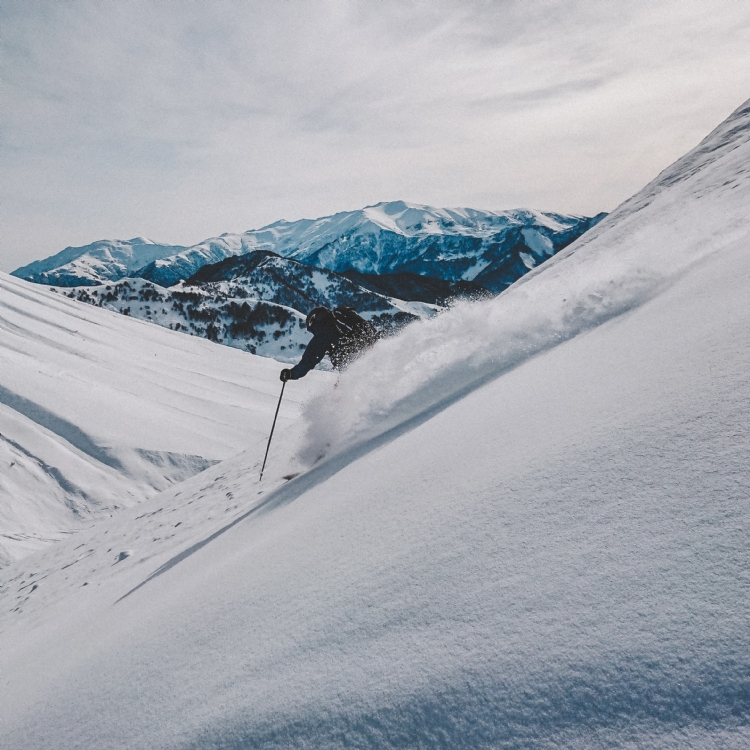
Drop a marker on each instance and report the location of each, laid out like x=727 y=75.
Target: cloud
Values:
x=185 y=120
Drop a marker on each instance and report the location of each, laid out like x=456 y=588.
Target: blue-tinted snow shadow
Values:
x=61 y=427
x=625 y=700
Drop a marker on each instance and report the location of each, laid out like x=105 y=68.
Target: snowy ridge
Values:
x=493 y=248
x=168 y=271
x=106 y=260
x=263 y=275
x=727 y=143
x=284 y=270
x=256 y=302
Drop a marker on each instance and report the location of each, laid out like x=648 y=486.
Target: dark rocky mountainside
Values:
x=415 y=288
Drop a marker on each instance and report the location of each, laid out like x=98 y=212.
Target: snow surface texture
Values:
x=550 y=553
x=98 y=411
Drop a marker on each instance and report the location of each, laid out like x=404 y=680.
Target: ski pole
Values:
x=283 y=385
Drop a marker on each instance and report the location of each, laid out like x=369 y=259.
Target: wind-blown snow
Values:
x=538 y=539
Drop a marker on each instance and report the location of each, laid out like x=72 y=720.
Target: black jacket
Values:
x=325 y=338
x=340 y=343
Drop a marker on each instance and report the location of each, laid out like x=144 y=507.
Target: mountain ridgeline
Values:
x=97 y=263
x=393 y=262
x=489 y=248
x=492 y=249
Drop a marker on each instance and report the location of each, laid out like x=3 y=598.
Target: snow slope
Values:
x=698 y=206
x=105 y=260
x=528 y=529
x=99 y=411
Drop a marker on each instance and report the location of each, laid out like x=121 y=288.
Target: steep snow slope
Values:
x=536 y=536
x=106 y=260
x=570 y=573
x=98 y=411
x=493 y=248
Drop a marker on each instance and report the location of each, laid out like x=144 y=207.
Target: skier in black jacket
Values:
x=340 y=333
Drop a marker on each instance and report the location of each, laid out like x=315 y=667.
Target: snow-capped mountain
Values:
x=521 y=523
x=106 y=260
x=239 y=287
x=257 y=302
x=170 y=270
x=491 y=248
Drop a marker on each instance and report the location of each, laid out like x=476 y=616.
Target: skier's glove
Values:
x=285 y=375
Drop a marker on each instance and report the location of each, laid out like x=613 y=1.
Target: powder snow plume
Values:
x=433 y=362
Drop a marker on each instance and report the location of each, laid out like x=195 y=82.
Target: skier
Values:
x=340 y=333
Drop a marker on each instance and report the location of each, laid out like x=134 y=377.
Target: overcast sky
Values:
x=180 y=120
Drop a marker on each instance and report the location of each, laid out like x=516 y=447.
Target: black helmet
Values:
x=316 y=316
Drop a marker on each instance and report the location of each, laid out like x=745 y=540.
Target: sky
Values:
x=179 y=121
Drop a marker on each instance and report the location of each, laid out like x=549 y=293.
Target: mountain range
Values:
x=393 y=262
x=489 y=248
x=97 y=263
